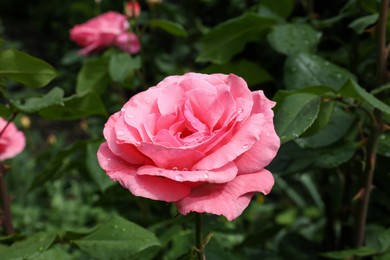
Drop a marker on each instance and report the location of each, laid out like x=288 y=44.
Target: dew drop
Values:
x=40 y=249
x=338 y=76
x=239 y=111
x=123 y=229
x=108 y=159
x=179 y=177
x=205 y=175
x=115 y=226
x=123 y=109
x=245 y=146
x=185 y=169
x=174 y=168
x=130 y=116
x=159 y=171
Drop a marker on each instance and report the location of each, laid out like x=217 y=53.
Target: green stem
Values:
x=7 y=218
x=377 y=126
x=199 y=240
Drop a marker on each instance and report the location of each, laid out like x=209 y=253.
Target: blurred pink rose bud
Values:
x=128 y=42
x=12 y=141
x=132 y=9
x=101 y=32
x=200 y=141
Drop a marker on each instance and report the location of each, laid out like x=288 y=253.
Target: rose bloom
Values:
x=12 y=141
x=103 y=31
x=132 y=9
x=200 y=141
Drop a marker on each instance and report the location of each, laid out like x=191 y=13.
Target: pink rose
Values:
x=12 y=141
x=201 y=141
x=128 y=42
x=101 y=32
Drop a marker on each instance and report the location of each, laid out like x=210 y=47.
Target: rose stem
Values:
x=199 y=242
x=7 y=219
x=377 y=126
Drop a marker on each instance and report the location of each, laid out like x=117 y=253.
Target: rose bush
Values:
x=103 y=31
x=12 y=141
x=201 y=141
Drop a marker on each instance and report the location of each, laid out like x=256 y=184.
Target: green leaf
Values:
x=295 y=115
x=305 y=70
x=4 y=111
x=93 y=76
x=35 y=104
x=293 y=38
x=384 y=145
x=122 y=66
x=360 y=24
x=250 y=71
x=23 y=68
x=344 y=254
x=352 y=90
x=323 y=118
x=119 y=239
x=29 y=248
x=332 y=157
x=221 y=43
x=56 y=253
x=378 y=237
x=168 y=26
x=76 y=107
x=338 y=126
x=282 y=8
x=95 y=171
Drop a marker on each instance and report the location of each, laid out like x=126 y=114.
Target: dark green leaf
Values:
x=305 y=70
x=122 y=66
x=352 y=90
x=293 y=38
x=4 y=111
x=23 y=68
x=54 y=253
x=323 y=118
x=333 y=156
x=295 y=115
x=119 y=239
x=344 y=254
x=76 y=107
x=338 y=126
x=95 y=171
x=282 y=8
x=29 y=248
x=360 y=24
x=230 y=37
x=251 y=72
x=35 y=104
x=168 y=26
x=378 y=237
x=93 y=76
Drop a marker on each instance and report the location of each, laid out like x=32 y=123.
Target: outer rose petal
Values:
x=261 y=153
x=12 y=141
x=150 y=187
x=128 y=42
x=228 y=199
x=221 y=175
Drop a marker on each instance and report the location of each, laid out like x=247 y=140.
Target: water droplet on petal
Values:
x=174 y=169
x=240 y=110
x=123 y=109
x=185 y=169
x=179 y=177
x=108 y=159
x=130 y=115
x=205 y=175
x=245 y=146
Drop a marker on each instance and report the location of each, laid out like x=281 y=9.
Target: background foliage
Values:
x=318 y=59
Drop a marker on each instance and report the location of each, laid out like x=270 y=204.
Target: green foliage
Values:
x=119 y=239
x=168 y=26
x=25 y=69
x=229 y=38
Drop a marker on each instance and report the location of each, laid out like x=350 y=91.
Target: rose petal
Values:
x=247 y=135
x=261 y=104
x=222 y=175
x=170 y=157
x=150 y=187
x=261 y=153
x=228 y=199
